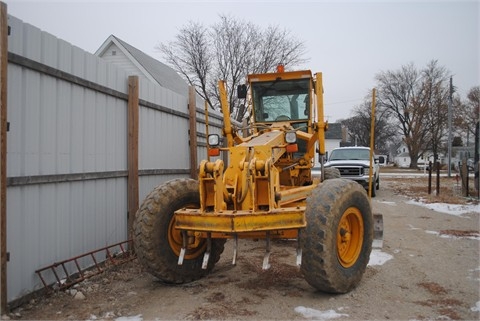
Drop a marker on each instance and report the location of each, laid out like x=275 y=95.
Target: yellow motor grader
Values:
x=264 y=191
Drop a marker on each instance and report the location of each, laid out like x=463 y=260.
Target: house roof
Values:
x=151 y=68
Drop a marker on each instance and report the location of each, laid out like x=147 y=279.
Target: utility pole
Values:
x=450 y=129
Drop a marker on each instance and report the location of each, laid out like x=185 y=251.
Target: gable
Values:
x=115 y=55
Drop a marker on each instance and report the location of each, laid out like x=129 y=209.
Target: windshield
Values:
x=350 y=154
x=281 y=100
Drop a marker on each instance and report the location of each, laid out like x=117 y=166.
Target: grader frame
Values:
x=266 y=191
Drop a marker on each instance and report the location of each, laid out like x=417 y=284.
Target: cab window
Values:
x=281 y=100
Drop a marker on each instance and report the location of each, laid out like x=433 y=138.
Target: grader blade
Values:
x=377 y=230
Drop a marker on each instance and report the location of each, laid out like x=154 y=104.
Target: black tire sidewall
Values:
x=152 y=223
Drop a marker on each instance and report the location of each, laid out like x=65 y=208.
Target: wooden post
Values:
x=430 y=177
x=371 y=185
x=3 y=157
x=464 y=176
x=192 y=131
x=132 y=152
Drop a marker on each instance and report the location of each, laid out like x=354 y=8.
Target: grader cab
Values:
x=265 y=191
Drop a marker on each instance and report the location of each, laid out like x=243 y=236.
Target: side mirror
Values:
x=242 y=91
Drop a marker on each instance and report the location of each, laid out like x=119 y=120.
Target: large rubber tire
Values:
x=378 y=183
x=337 y=241
x=331 y=173
x=157 y=243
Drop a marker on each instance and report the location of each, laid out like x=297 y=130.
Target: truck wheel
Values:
x=374 y=189
x=378 y=183
x=157 y=243
x=338 y=238
x=331 y=172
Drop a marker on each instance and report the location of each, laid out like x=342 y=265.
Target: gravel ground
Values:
x=427 y=269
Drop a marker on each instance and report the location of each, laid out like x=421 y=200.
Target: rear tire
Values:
x=338 y=238
x=157 y=242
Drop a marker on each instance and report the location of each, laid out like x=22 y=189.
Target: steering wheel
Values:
x=282 y=117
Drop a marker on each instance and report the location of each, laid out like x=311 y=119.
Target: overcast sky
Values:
x=349 y=41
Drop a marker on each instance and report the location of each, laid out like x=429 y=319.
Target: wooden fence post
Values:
x=3 y=157
x=132 y=152
x=192 y=132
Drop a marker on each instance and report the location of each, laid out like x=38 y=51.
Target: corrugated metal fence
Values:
x=67 y=151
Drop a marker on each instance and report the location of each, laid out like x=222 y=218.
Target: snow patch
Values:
x=317 y=314
x=452 y=209
x=132 y=318
x=378 y=257
x=476 y=308
x=388 y=203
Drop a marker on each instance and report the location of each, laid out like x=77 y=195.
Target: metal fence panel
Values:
x=67 y=151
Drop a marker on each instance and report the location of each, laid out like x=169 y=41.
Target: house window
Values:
x=114 y=52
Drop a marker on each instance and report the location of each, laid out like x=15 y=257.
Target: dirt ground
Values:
x=433 y=274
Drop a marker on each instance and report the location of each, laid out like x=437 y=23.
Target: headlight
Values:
x=213 y=140
x=366 y=170
x=290 y=137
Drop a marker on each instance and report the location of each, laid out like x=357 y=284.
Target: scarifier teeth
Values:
x=183 y=249
x=181 y=256
x=206 y=256
x=299 y=249
x=235 y=249
x=266 y=265
x=266 y=258
x=299 y=256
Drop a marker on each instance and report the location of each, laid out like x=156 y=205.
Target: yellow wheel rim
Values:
x=350 y=237
x=195 y=245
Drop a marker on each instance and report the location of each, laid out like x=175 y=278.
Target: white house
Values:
x=136 y=62
x=403 y=160
x=334 y=136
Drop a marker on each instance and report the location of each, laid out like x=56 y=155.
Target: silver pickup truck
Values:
x=353 y=163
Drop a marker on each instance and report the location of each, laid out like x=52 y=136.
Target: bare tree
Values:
x=468 y=113
x=417 y=101
x=229 y=50
x=435 y=95
x=359 y=127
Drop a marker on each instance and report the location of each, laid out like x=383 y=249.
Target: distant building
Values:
x=136 y=62
x=403 y=160
x=335 y=137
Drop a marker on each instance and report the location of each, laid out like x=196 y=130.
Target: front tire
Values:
x=338 y=238
x=158 y=243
